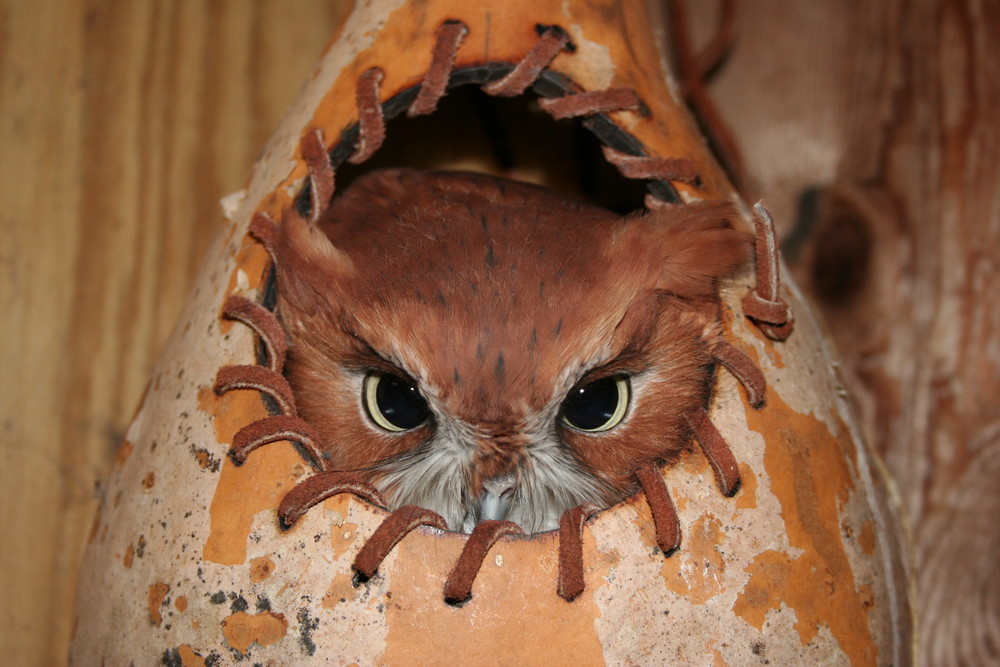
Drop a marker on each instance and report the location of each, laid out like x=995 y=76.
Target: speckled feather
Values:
x=497 y=298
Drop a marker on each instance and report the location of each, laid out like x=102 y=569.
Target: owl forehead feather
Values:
x=491 y=284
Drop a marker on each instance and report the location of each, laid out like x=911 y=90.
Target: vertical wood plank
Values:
x=42 y=493
x=888 y=112
x=121 y=126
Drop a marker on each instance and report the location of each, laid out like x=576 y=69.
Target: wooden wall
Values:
x=873 y=129
x=123 y=123
x=121 y=126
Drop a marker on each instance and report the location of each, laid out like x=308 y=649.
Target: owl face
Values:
x=487 y=349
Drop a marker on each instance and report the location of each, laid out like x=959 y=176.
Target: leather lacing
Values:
x=762 y=304
x=695 y=69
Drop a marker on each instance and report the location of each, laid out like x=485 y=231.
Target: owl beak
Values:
x=498 y=494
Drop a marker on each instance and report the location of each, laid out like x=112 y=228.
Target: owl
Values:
x=489 y=349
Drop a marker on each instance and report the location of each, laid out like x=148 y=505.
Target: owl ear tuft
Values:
x=308 y=265
x=698 y=246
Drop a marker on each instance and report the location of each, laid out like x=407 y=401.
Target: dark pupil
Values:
x=592 y=405
x=400 y=402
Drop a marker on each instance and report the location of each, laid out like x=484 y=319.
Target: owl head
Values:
x=489 y=349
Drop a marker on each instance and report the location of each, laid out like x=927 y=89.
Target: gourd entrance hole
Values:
x=509 y=137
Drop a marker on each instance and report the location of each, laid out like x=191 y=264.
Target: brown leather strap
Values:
x=727 y=471
x=262 y=379
x=589 y=103
x=450 y=35
x=665 y=520
x=458 y=587
x=548 y=46
x=693 y=70
x=660 y=168
x=275 y=429
x=264 y=323
x=763 y=304
x=743 y=369
x=717 y=50
x=321 y=173
x=371 y=123
x=317 y=488
x=397 y=526
x=571 y=583
x=265 y=230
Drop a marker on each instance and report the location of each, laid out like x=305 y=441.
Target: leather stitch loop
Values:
x=571 y=582
x=743 y=369
x=458 y=587
x=396 y=526
x=693 y=71
x=526 y=72
x=660 y=168
x=590 y=103
x=450 y=36
x=371 y=123
x=264 y=324
x=321 y=172
x=317 y=488
x=275 y=429
x=763 y=304
x=665 y=520
x=716 y=450
x=262 y=379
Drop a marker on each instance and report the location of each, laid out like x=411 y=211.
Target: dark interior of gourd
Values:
x=509 y=137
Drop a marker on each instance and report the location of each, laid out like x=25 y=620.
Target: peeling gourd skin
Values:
x=187 y=561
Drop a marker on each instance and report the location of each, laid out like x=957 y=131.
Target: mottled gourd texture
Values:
x=496 y=300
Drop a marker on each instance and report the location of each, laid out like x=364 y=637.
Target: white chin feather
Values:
x=437 y=478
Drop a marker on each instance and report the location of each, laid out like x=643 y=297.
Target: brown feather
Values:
x=495 y=298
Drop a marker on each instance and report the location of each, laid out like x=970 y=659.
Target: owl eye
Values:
x=393 y=403
x=598 y=405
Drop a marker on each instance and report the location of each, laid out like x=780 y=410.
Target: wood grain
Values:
x=872 y=130
x=121 y=126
